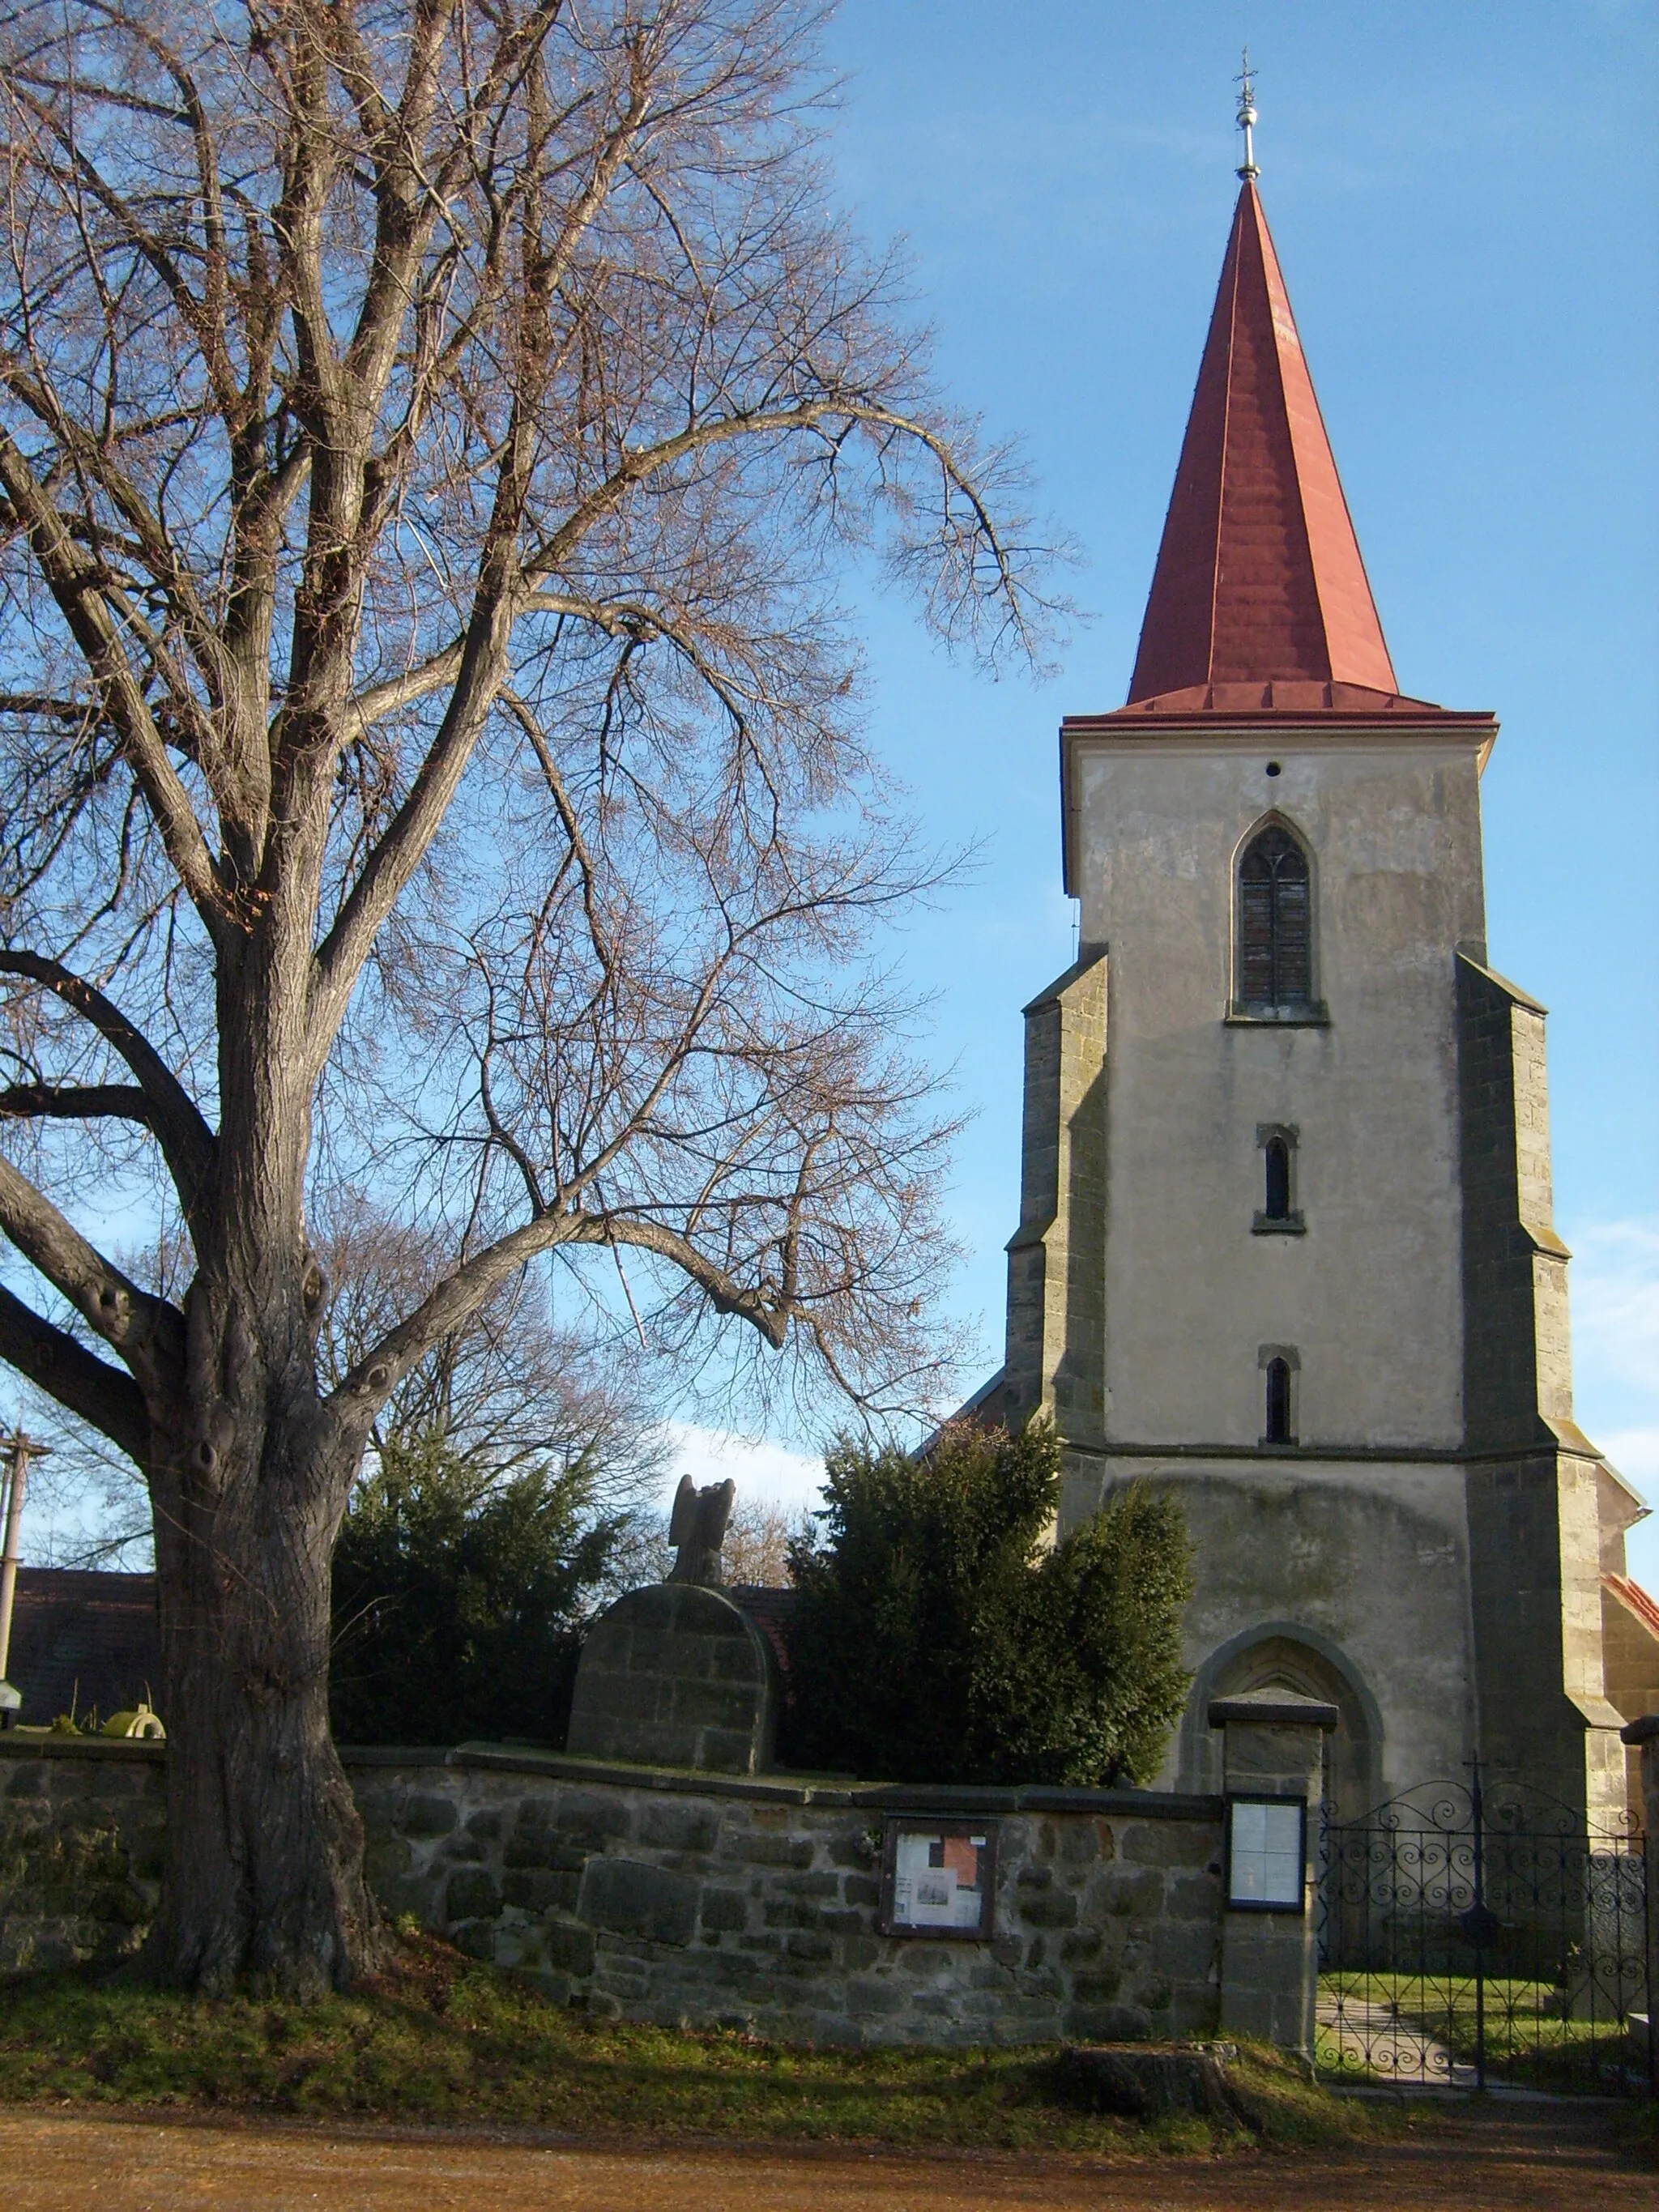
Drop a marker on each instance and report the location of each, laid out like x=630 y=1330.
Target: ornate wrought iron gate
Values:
x=1479 y=1934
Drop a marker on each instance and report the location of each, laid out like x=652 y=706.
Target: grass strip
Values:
x=439 y=2038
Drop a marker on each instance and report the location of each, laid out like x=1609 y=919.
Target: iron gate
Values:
x=1484 y=1933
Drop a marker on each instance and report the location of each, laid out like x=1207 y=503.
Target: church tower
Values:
x=1285 y=1241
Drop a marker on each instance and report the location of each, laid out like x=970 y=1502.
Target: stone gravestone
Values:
x=677 y=1674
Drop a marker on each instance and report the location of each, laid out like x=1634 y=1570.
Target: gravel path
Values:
x=1375 y=2039
x=1550 y=2157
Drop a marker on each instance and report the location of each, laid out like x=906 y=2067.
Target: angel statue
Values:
x=697 y=1529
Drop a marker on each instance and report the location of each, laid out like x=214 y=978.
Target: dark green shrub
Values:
x=936 y=1638
x=461 y=1596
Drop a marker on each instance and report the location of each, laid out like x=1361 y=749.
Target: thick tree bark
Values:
x=265 y=1882
x=264 y=1878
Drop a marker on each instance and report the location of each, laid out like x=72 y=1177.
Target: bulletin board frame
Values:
x=980 y=1835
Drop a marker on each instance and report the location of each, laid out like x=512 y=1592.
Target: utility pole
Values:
x=23 y=1448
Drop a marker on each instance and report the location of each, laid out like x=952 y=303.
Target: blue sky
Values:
x=1464 y=201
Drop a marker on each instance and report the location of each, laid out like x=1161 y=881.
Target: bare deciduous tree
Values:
x=509 y=1388
x=428 y=433
x=758 y=1540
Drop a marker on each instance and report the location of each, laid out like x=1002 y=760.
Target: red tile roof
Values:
x=771 y=1608
x=1260 y=602
x=1636 y=1600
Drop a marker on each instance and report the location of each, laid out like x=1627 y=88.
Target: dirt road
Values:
x=1511 y=2159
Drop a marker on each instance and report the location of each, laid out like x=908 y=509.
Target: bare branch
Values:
x=435 y=433
x=187 y=1141
x=769 y=1314
x=147 y=1332
x=454 y=1300
x=77 y=1101
x=76 y=1378
x=77 y=583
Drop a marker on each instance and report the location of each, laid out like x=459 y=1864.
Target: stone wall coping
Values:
x=1272 y=1712
x=15 y=1744
x=841 y=1791
x=832 y=1791
x=395 y=1754
x=147 y=1750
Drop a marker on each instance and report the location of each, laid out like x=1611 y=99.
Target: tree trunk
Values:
x=264 y=1866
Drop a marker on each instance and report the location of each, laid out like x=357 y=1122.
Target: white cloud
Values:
x=1615 y=1302
x=1616 y=1341
x=1635 y=1453
x=760 y=1467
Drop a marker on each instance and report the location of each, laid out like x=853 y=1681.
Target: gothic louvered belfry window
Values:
x=1275 y=959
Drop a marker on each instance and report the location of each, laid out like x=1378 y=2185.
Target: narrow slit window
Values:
x=1279 y=1402
x=1277 y=1207
x=1275 y=954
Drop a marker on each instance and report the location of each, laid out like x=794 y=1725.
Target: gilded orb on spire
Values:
x=1247 y=119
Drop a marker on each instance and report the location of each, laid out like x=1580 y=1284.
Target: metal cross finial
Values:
x=1247 y=117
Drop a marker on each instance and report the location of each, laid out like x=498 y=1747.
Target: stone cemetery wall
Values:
x=81 y=1822
x=754 y=1904
x=646 y=1894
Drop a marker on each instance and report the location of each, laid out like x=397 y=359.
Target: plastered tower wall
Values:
x=1427 y=1552
x=1369 y=1295
x=1353 y=1542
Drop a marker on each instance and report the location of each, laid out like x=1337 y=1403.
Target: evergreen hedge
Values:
x=461 y=1597
x=938 y=1636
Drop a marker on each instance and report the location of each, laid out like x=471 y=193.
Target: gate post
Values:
x=1645 y=1733
x=1270 y=1929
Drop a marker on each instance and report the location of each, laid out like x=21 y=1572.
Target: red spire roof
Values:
x=1260 y=600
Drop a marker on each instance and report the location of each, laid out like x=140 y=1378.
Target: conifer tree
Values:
x=461 y=1596
x=939 y=1636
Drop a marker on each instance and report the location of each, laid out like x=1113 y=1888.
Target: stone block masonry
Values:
x=1056 y=1258
x=81 y=1834
x=1532 y=1487
x=691 y=1899
x=753 y=1905
x=677 y=1675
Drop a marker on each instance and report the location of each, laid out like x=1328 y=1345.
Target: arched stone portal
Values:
x=1286 y=1658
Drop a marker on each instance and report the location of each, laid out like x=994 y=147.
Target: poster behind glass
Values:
x=941 y=1878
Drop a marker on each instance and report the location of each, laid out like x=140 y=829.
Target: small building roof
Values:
x=83 y=1639
x=1636 y=1602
